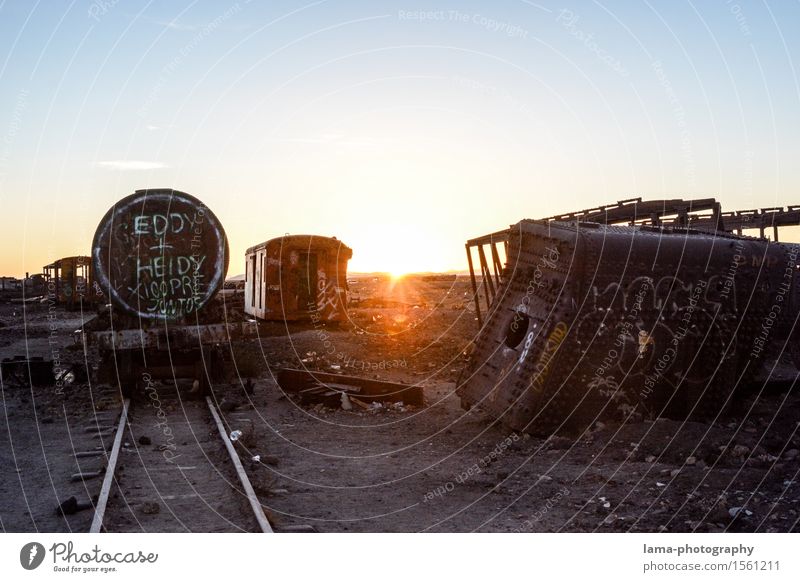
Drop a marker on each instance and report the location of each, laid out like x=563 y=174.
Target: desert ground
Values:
x=393 y=467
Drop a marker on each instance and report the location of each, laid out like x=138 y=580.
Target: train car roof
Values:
x=310 y=240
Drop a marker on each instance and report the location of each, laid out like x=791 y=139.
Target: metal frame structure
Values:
x=490 y=278
x=70 y=281
x=760 y=220
x=698 y=214
x=635 y=210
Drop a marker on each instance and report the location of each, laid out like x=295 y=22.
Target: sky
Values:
x=402 y=128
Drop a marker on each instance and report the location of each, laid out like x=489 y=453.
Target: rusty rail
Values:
x=105 y=489
x=252 y=498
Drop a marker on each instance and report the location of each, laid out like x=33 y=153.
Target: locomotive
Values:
x=160 y=256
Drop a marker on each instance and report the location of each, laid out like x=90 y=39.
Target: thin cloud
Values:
x=127 y=165
x=184 y=27
x=154 y=127
x=175 y=25
x=171 y=24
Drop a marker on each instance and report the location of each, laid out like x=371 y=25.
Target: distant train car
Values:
x=297 y=277
x=70 y=282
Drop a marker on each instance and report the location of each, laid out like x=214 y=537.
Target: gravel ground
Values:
x=400 y=468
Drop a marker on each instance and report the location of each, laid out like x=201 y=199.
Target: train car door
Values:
x=307 y=292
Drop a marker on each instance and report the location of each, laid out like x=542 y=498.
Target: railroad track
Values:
x=185 y=477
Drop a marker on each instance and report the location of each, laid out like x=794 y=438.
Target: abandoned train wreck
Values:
x=297 y=277
x=70 y=281
x=656 y=308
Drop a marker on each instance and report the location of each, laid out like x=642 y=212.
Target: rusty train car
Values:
x=638 y=309
x=297 y=277
x=69 y=282
x=160 y=256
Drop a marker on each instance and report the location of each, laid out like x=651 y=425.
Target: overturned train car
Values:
x=297 y=277
x=592 y=321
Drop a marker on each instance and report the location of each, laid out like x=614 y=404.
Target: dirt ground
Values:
x=42 y=426
x=431 y=468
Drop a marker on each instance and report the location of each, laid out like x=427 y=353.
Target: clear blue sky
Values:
x=387 y=122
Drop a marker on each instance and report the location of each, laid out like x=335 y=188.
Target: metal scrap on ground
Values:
x=328 y=388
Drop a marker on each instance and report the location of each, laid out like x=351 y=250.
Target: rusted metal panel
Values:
x=317 y=385
x=174 y=337
x=160 y=254
x=297 y=277
x=592 y=319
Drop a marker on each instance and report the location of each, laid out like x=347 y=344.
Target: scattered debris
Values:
x=85 y=454
x=740 y=451
x=736 y=511
x=296 y=529
x=86 y=476
x=71 y=506
x=150 y=508
x=321 y=387
x=22 y=371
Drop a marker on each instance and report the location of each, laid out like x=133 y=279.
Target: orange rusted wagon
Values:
x=297 y=277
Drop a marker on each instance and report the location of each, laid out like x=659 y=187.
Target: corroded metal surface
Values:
x=593 y=320
x=160 y=255
x=296 y=277
x=174 y=337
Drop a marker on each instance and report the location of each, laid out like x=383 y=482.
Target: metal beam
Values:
x=475 y=297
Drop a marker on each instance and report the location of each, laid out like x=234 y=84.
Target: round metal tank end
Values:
x=160 y=254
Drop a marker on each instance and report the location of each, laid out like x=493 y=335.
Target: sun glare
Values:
x=398 y=266
x=393 y=249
